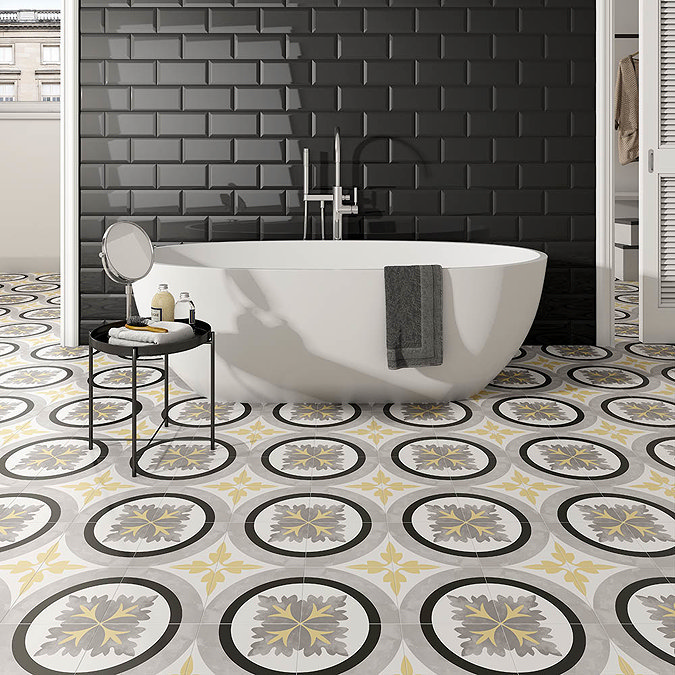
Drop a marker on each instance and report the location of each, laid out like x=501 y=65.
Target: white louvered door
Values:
x=657 y=171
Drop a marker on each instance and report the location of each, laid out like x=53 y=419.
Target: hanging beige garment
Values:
x=626 y=109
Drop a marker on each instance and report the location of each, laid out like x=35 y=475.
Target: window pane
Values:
x=50 y=54
x=7 y=91
x=51 y=91
x=6 y=54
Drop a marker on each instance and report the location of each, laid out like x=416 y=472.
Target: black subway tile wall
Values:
x=461 y=120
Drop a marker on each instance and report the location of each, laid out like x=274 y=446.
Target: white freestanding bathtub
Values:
x=299 y=321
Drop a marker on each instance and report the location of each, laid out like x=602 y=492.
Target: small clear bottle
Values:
x=162 y=304
x=185 y=309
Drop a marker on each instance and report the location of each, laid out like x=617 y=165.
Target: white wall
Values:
x=626 y=20
x=29 y=192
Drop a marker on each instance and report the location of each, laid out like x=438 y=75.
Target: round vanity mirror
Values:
x=126 y=252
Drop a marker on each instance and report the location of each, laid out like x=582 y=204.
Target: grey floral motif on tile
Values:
x=315 y=522
x=46 y=314
x=427 y=412
x=639 y=411
x=520 y=378
x=182 y=457
x=577 y=352
x=106 y=623
x=290 y=624
x=538 y=411
x=121 y=378
x=656 y=352
x=606 y=377
x=24 y=329
x=58 y=353
x=12 y=407
x=506 y=623
x=443 y=456
x=317 y=412
x=33 y=377
x=150 y=523
x=573 y=457
x=662 y=610
x=53 y=456
x=623 y=522
x=464 y=522
x=307 y=457
x=14 y=518
x=105 y=410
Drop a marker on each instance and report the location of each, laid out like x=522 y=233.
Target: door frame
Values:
x=70 y=156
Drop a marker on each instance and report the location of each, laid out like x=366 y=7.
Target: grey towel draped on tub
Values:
x=414 y=315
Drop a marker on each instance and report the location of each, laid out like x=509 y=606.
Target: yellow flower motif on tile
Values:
x=615 y=433
x=95 y=488
x=375 y=432
x=495 y=432
x=626 y=668
x=393 y=568
x=188 y=667
x=158 y=394
x=574 y=571
x=658 y=483
x=527 y=489
x=34 y=572
x=406 y=667
x=570 y=391
x=256 y=432
x=239 y=486
x=29 y=428
x=213 y=571
x=382 y=486
x=62 y=393
x=144 y=430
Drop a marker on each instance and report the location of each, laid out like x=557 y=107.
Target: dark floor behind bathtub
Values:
x=530 y=529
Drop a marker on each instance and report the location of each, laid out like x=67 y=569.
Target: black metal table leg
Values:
x=213 y=390
x=166 y=390
x=91 y=397
x=134 y=357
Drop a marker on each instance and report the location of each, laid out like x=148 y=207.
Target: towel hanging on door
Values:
x=626 y=102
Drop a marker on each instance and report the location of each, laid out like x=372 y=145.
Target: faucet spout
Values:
x=337 y=156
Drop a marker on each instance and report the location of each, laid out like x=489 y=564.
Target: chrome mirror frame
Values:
x=117 y=276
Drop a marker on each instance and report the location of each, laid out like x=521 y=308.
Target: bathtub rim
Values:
x=537 y=256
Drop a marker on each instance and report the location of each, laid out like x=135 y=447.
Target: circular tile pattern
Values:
x=655 y=352
x=25 y=517
x=142 y=615
x=16 y=298
x=7 y=348
x=3 y=311
x=645 y=609
x=538 y=411
x=56 y=352
x=154 y=524
x=641 y=410
x=607 y=377
x=56 y=300
x=627 y=330
x=120 y=377
x=44 y=314
x=184 y=458
x=308 y=525
x=466 y=525
x=49 y=277
x=316 y=414
x=621 y=524
x=577 y=458
x=196 y=412
x=19 y=330
x=346 y=620
x=662 y=450
x=577 y=352
x=628 y=298
x=39 y=287
x=107 y=410
x=669 y=373
x=443 y=458
x=313 y=458
x=619 y=314
x=517 y=377
x=34 y=377
x=13 y=407
x=459 y=619
x=13 y=277
x=448 y=414
x=52 y=458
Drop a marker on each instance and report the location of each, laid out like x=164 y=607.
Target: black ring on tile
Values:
x=30 y=406
x=23 y=657
x=623 y=462
x=43 y=277
x=502 y=387
x=620 y=312
x=652 y=452
x=523 y=538
x=366 y=526
x=643 y=380
x=491 y=463
x=621 y=608
x=669 y=373
x=165 y=413
x=29 y=297
x=55 y=514
x=144 y=384
x=7 y=472
x=90 y=537
x=54 y=301
x=34 y=354
x=55 y=420
x=46 y=327
x=563 y=666
x=519 y=354
x=607 y=353
x=631 y=347
x=626 y=420
x=360 y=461
x=621 y=297
x=468 y=413
x=3 y=311
x=579 y=413
x=54 y=318
x=67 y=371
x=15 y=348
x=356 y=415
x=374 y=632
x=19 y=288
x=232 y=453
x=562 y=519
x=13 y=277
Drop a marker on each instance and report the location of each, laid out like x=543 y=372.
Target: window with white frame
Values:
x=6 y=54
x=51 y=54
x=51 y=91
x=7 y=91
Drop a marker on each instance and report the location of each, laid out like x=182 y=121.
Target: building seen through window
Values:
x=30 y=55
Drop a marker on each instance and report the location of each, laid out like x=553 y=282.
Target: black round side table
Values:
x=99 y=340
